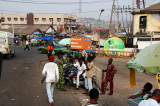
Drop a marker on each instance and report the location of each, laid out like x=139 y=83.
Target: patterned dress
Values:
x=60 y=83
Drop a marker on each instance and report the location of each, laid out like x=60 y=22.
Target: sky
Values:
x=89 y=8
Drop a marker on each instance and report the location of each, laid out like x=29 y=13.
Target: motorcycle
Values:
x=70 y=76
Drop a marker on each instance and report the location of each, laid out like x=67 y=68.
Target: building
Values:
x=146 y=26
x=58 y=21
x=147 y=20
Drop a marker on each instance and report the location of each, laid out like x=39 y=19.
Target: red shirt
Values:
x=110 y=71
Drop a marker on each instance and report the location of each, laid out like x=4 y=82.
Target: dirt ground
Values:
x=122 y=88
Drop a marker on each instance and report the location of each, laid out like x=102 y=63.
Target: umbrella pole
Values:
x=158 y=79
x=132 y=78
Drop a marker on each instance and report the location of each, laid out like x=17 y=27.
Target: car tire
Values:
x=9 y=55
x=13 y=54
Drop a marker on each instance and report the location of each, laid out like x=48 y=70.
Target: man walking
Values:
x=50 y=49
x=110 y=71
x=40 y=42
x=51 y=72
x=27 y=45
x=89 y=76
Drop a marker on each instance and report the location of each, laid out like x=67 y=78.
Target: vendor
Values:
x=144 y=93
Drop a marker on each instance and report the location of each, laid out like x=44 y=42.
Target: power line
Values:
x=150 y=2
x=57 y=3
x=56 y=13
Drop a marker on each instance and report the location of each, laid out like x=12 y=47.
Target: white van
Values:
x=7 y=45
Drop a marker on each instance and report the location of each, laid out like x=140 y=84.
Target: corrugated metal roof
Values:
x=25 y=29
x=153 y=7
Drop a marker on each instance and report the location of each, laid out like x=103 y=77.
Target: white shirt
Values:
x=27 y=43
x=51 y=71
x=80 y=68
x=84 y=53
x=149 y=102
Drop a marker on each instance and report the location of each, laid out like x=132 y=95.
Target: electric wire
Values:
x=57 y=3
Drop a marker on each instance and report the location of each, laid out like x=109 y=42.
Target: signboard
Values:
x=158 y=79
x=81 y=43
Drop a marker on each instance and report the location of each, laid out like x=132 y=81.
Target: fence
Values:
x=122 y=54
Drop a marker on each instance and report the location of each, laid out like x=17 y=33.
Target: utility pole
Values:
x=132 y=16
x=13 y=28
x=117 y=19
x=111 y=19
x=52 y=28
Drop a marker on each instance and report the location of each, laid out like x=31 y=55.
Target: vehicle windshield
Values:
x=2 y=35
x=2 y=40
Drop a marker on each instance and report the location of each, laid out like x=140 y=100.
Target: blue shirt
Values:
x=141 y=97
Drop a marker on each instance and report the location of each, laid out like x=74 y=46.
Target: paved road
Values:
x=20 y=84
x=21 y=76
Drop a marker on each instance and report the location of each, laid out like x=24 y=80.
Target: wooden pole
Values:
x=117 y=18
x=111 y=19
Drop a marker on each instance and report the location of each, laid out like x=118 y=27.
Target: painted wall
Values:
x=153 y=22
x=12 y=16
x=39 y=16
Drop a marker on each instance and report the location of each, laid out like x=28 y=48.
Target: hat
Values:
x=51 y=58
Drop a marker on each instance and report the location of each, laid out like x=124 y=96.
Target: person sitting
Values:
x=145 y=91
x=81 y=67
x=94 y=95
x=153 y=101
x=65 y=58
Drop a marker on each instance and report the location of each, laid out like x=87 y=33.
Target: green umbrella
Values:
x=65 y=41
x=147 y=60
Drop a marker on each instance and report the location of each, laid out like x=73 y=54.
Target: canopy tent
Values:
x=65 y=41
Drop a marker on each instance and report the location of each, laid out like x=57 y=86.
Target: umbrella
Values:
x=63 y=33
x=65 y=41
x=147 y=60
x=80 y=36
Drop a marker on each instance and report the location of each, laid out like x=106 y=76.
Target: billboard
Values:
x=81 y=43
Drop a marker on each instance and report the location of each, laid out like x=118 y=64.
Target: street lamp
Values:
x=99 y=28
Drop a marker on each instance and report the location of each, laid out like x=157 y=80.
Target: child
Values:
x=94 y=95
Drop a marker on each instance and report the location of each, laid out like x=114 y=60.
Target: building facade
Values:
x=146 y=26
x=38 y=19
x=147 y=20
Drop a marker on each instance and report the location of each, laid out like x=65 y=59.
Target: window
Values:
x=143 y=22
x=44 y=19
x=9 y=18
x=22 y=19
x=36 y=19
x=2 y=19
x=51 y=19
x=15 y=19
x=58 y=19
x=65 y=19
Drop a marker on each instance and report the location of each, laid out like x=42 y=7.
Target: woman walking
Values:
x=60 y=83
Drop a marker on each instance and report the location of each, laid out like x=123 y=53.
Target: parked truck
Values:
x=7 y=45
